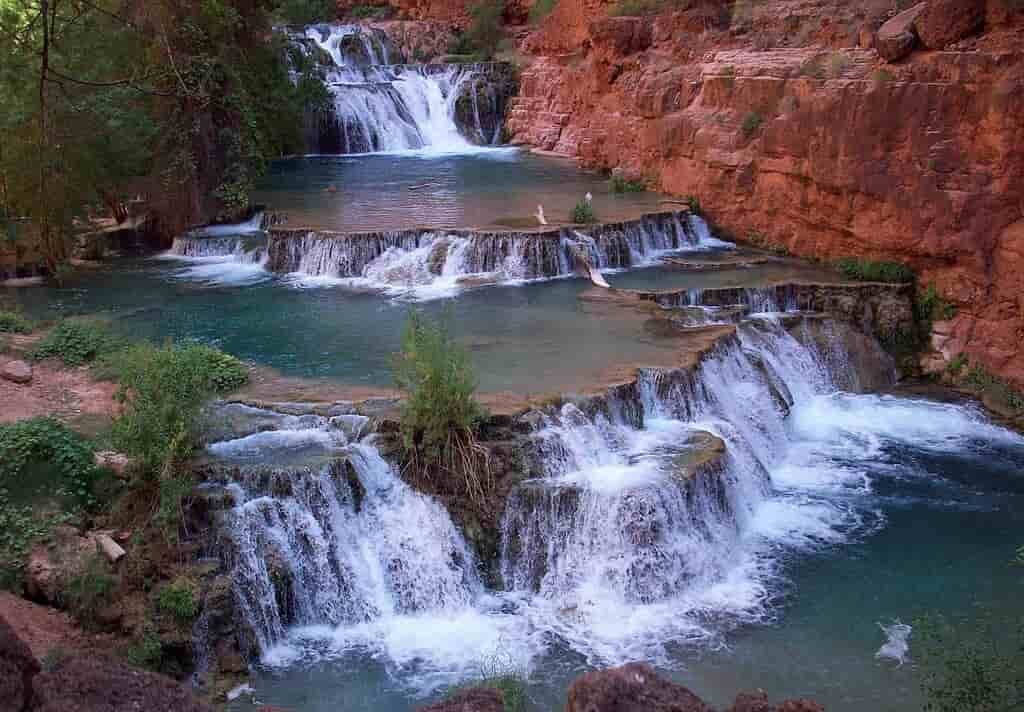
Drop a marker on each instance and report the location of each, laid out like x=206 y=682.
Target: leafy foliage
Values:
x=693 y=203
x=14 y=323
x=162 y=390
x=980 y=379
x=20 y=528
x=440 y=414
x=971 y=666
x=177 y=599
x=88 y=590
x=75 y=342
x=582 y=213
x=619 y=184
x=541 y=9
x=930 y=306
x=481 y=39
x=306 y=12
x=146 y=651
x=751 y=123
x=872 y=271
x=46 y=440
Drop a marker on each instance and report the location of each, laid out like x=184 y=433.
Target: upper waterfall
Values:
x=381 y=105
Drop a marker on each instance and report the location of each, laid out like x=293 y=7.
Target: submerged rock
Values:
x=635 y=687
x=475 y=699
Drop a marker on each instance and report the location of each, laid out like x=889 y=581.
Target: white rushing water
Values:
x=381 y=107
x=615 y=550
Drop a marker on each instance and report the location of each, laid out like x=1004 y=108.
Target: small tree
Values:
x=440 y=415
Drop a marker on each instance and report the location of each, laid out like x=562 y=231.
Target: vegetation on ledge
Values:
x=583 y=213
x=440 y=414
x=871 y=271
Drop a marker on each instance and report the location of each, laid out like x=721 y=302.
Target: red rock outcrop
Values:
x=784 y=121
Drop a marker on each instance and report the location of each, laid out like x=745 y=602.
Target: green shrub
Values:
x=146 y=651
x=872 y=271
x=47 y=441
x=177 y=599
x=440 y=414
x=481 y=39
x=163 y=390
x=75 y=342
x=88 y=591
x=541 y=9
x=957 y=364
x=619 y=184
x=982 y=380
x=501 y=673
x=582 y=213
x=20 y=529
x=930 y=306
x=14 y=323
x=751 y=123
x=693 y=204
x=306 y=12
x=371 y=12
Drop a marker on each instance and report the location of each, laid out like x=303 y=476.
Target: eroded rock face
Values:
x=634 y=687
x=897 y=37
x=17 y=667
x=920 y=162
x=97 y=684
x=944 y=22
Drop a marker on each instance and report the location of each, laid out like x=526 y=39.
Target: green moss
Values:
x=872 y=271
x=177 y=600
x=751 y=123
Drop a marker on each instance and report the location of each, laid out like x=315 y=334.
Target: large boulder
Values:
x=897 y=36
x=17 y=667
x=475 y=699
x=16 y=372
x=634 y=687
x=943 y=22
x=96 y=684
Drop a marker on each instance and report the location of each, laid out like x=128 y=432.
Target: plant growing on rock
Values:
x=582 y=213
x=620 y=184
x=872 y=271
x=48 y=442
x=87 y=591
x=177 y=600
x=14 y=323
x=751 y=123
x=440 y=415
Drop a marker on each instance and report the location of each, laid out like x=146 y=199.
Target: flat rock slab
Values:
x=16 y=372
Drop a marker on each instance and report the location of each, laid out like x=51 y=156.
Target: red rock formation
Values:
x=782 y=122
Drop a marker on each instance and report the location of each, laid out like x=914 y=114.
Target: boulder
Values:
x=116 y=462
x=799 y=705
x=751 y=702
x=96 y=684
x=17 y=668
x=943 y=22
x=16 y=372
x=630 y=688
x=896 y=37
x=475 y=699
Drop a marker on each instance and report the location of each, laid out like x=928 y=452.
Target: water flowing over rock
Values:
x=380 y=104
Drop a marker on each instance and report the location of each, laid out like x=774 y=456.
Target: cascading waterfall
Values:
x=380 y=106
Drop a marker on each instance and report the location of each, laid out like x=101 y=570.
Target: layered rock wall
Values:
x=787 y=124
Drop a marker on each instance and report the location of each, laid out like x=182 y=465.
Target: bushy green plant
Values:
x=693 y=204
x=371 y=12
x=162 y=390
x=500 y=672
x=751 y=123
x=440 y=414
x=956 y=365
x=146 y=651
x=306 y=12
x=47 y=441
x=541 y=9
x=872 y=271
x=88 y=590
x=14 y=323
x=177 y=599
x=970 y=666
x=980 y=379
x=481 y=39
x=619 y=184
x=20 y=528
x=75 y=342
x=582 y=213
x=930 y=306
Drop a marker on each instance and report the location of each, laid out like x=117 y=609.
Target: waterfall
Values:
x=380 y=106
x=429 y=263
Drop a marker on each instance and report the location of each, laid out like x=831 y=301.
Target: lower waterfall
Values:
x=660 y=515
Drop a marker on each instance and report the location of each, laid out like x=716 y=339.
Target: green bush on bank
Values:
x=163 y=390
x=619 y=184
x=177 y=600
x=47 y=441
x=14 y=323
x=75 y=342
x=872 y=271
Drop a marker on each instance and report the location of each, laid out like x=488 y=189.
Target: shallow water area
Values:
x=482 y=187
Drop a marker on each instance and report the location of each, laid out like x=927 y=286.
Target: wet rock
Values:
x=16 y=372
x=634 y=687
x=944 y=22
x=95 y=684
x=896 y=37
x=751 y=702
x=475 y=699
x=17 y=668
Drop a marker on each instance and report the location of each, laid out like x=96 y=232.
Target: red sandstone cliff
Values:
x=782 y=118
